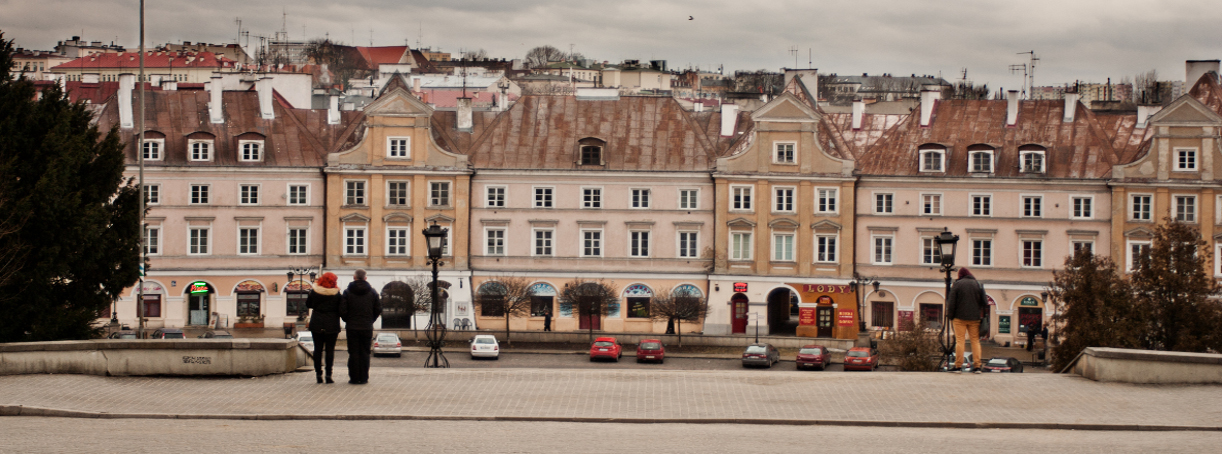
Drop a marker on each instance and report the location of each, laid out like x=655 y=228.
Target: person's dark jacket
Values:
x=967 y=300
x=325 y=302
x=361 y=306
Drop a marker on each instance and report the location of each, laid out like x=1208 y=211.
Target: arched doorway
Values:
x=199 y=303
x=398 y=305
x=738 y=313
x=782 y=312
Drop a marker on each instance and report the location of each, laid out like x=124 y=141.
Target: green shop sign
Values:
x=1003 y=324
x=1028 y=301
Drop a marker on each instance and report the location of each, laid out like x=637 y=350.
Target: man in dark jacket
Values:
x=359 y=309
x=965 y=305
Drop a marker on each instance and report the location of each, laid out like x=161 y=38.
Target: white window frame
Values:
x=288 y=240
x=1194 y=156
x=497 y=248
x=1128 y=252
x=821 y=239
x=152 y=193
x=582 y=242
x=258 y=146
x=393 y=152
x=1022 y=161
x=887 y=199
x=1022 y=253
x=545 y=200
x=939 y=199
x=356 y=250
x=351 y=200
x=1191 y=217
x=1149 y=207
x=930 y=250
x=1073 y=245
x=1218 y=260
x=882 y=254
x=152 y=247
x=206 y=192
x=643 y=249
x=392 y=241
x=784 y=199
x=776 y=152
x=253 y=249
x=550 y=246
x=288 y=191
x=160 y=149
x=495 y=195
x=1073 y=206
x=449 y=194
x=987 y=205
x=207 y=244
x=821 y=198
x=243 y=194
x=208 y=145
x=787 y=254
x=639 y=198
x=741 y=198
x=971 y=161
x=595 y=203
x=924 y=155
x=747 y=241
x=692 y=203
x=694 y=251
x=1039 y=205
x=407 y=193
x=980 y=260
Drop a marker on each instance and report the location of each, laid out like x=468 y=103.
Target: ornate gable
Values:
x=397 y=102
x=1186 y=111
x=785 y=108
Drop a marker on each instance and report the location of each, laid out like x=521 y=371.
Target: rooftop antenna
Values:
x=1031 y=69
x=810 y=58
x=238 y=20
x=370 y=37
x=794 y=50
x=1021 y=67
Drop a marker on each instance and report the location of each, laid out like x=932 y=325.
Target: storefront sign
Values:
x=1028 y=301
x=826 y=288
x=824 y=300
x=1003 y=324
x=198 y=287
x=806 y=316
x=740 y=286
x=844 y=317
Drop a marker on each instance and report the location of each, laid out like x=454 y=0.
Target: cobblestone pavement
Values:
x=658 y=395
x=73 y=435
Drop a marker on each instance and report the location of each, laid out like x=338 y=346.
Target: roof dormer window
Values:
x=1031 y=159
x=933 y=158
x=590 y=152
x=980 y=159
x=250 y=150
x=200 y=149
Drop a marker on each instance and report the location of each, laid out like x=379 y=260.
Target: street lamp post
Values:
x=300 y=273
x=436 y=331
x=947 y=243
x=858 y=283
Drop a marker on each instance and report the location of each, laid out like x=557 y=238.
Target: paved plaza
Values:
x=1029 y=401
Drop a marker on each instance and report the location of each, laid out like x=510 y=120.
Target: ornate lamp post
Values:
x=946 y=247
x=436 y=331
x=858 y=283
x=300 y=273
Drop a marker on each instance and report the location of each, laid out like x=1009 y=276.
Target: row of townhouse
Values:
x=772 y=212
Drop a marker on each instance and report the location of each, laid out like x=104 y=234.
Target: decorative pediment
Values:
x=825 y=225
x=1140 y=232
x=786 y=107
x=784 y=223
x=397 y=217
x=440 y=219
x=742 y=223
x=1186 y=109
x=354 y=217
x=396 y=101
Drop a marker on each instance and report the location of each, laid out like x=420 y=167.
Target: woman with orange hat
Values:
x=324 y=301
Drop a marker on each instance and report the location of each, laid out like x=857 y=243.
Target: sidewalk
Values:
x=1038 y=401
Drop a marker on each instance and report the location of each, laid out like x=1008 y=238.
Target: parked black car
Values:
x=1003 y=364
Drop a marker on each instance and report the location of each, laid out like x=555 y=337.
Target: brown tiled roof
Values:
x=152 y=59
x=1207 y=91
x=642 y=133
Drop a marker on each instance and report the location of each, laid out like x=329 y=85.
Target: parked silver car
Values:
x=761 y=354
x=387 y=344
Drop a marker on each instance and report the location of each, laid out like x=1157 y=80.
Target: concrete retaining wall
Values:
x=1147 y=366
x=245 y=357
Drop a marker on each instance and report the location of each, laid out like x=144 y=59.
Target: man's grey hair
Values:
x=359 y=275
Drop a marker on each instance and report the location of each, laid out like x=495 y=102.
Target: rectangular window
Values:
x=640 y=198
x=982 y=252
x=825 y=201
x=152 y=149
x=201 y=150
x=494 y=241
x=784 y=153
x=1033 y=206
x=982 y=205
x=591 y=243
x=638 y=243
x=1142 y=207
x=1083 y=246
x=1032 y=162
x=152 y=240
x=982 y=162
x=687 y=244
x=249 y=194
x=1082 y=207
x=931 y=161
x=439 y=194
x=782 y=199
x=298 y=241
x=354 y=241
x=496 y=196
x=1186 y=208
x=398 y=147
x=930 y=254
x=152 y=194
x=396 y=193
x=741 y=196
x=931 y=204
x=199 y=241
x=882 y=250
x=355 y=193
x=396 y=241
x=543 y=197
x=882 y=314
x=782 y=247
x=591 y=155
x=883 y=203
x=1185 y=159
x=740 y=246
x=152 y=306
x=688 y=199
x=252 y=150
x=248 y=241
x=199 y=194
x=543 y=243
x=1033 y=254
x=825 y=248
x=1138 y=251
x=299 y=194
x=591 y=198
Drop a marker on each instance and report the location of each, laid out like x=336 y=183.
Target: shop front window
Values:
x=249 y=305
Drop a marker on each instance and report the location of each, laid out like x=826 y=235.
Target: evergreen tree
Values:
x=78 y=242
x=1172 y=289
x=1096 y=308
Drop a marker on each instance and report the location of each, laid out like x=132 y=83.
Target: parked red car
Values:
x=650 y=350
x=606 y=347
x=813 y=356
x=861 y=358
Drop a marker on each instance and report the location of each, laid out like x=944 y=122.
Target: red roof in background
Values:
x=449 y=98
x=382 y=55
x=165 y=60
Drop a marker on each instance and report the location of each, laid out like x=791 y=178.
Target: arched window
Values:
x=491 y=299
x=1031 y=158
x=638 y=297
x=590 y=151
x=980 y=159
x=933 y=158
x=543 y=295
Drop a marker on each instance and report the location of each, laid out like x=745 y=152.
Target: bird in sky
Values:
x=691 y=18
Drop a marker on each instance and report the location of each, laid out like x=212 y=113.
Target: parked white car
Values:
x=387 y=344
x=485 y=346
x=306 y=339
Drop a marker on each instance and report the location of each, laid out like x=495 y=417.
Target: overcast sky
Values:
x=1087 y=40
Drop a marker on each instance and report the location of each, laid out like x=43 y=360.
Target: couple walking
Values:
x=358 y=306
